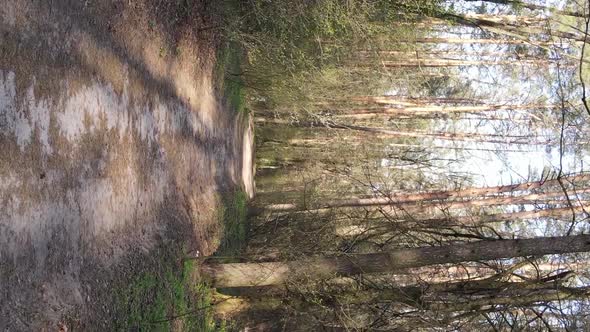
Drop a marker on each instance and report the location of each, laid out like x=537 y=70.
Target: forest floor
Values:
x=120 y=156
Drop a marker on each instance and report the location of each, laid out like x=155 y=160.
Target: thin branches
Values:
x=584 y=100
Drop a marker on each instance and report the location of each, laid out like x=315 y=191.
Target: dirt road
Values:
x=113 y=143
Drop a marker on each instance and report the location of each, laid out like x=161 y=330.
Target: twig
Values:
x=584 y=101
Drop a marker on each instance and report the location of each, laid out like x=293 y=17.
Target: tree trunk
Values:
x=466 y=137
x=533 y=7
x=274 y=273
x=466 y=295
x=500 y=26
x=446 y=109
x=416 y=208
x=430 y=196
x=463 y=137
x=437 y=63
x=501 y=217
x=378 y=228
x=495 y=41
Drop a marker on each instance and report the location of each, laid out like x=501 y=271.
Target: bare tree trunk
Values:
x=429 y=196
x=274 y=273
x=495 y=41
x=447 y=109
x=501 y=217
x=531 y=199
x=304 y=143
x=448 y=302
x=502 y=25
x=533 y=7
x=436 y=63
x=417 y=209
x=467 y=137
x=369 y=229
x=432 y=116
x=464 y=137
x=466 y=295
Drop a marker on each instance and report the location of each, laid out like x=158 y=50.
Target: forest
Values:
x=420 y=166
x=294 y=165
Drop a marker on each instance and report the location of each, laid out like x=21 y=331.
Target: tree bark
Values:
x=430 y=196
x=495 y=41
x=437 y=63
x=379 y=228
x=532 y=7
x=448 y=109
x=274 y=273
x=501 y=217
x=464 y=137
x=530 y=199
x=499 y=26
x=466 y=295
x=467 y=137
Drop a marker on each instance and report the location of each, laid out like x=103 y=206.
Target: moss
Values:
x=165 y=300
x=229 y=79
x=233 y=218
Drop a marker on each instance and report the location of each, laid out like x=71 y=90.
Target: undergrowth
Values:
x=295 y=52
x=233 y=218
x=229 y=79
x=169 y=299
x=172 y=297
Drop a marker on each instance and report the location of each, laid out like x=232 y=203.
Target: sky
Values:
x=490 y=168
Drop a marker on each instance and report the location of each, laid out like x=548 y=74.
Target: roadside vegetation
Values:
x=171 y=298
x=370 y=116
x=368 y=216
x=233 y=218
x=172 y=295
x=299 y=51
x=228 y=78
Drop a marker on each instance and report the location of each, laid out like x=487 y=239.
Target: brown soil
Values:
x=115 y=145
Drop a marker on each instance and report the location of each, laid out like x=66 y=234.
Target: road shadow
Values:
x=115 y=145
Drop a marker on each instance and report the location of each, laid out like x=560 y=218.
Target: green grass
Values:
x=159 y=301
x=172 y=297
x=233 y=218
x=229 y=76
